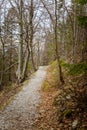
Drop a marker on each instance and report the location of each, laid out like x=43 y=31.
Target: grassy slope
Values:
x=51 y=81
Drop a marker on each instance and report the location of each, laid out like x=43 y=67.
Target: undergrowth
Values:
x=72 y=95
x=51 y=80
x=75 y=69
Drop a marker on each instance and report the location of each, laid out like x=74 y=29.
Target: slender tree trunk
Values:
x=31 y=33
x=56 y=44
x=3 y=65
x=25 y=64
x=10 y=58
x=20 y=54
x=74 y=35
x=3 y=54
x=38 y=61
x=26 y=61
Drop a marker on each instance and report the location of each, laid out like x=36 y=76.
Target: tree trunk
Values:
x=25 y=64
x=31 y=33
x=20 y=54
x=56 y=44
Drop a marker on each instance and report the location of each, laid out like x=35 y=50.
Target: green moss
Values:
x=45 y=86
x=54 y=73
x=76 y=69
x=53 y=65
x=80 y=68
x=82 y=2
x=30 y=67
x=82 y=20
x=52 y=77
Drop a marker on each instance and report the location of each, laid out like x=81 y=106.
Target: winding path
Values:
x=21 y=112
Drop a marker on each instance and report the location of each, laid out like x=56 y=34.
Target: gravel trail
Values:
x=21 y=112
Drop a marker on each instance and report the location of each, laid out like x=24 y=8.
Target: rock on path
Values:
x=21 y=112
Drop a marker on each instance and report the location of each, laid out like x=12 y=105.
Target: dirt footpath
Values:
x=21 y=113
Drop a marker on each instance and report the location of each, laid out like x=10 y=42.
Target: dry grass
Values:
x=51 y=80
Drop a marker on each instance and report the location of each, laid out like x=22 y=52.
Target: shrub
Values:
x=76 y=69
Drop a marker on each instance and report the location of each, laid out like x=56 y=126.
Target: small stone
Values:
x=68 y=97
x=61 y=125
x=65 y=126
x=74 y=124
x=62 y=109
x=42 y=111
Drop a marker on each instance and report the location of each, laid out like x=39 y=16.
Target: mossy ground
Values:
x=51 y=80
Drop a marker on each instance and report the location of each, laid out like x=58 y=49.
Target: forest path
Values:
x=21 y=112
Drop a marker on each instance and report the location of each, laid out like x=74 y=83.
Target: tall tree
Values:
x=54 y=19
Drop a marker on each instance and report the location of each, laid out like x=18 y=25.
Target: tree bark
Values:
x=56 y=44
x=31 y=33
x=20 y=54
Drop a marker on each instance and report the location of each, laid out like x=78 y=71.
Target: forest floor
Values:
x=21 y=112
x=48 y=108
x=47 y=119
x=58 y=110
